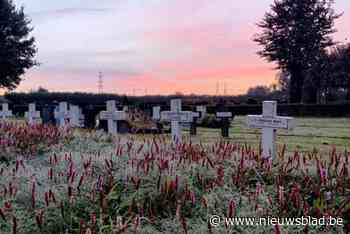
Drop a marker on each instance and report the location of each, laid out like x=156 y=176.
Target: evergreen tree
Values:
x=294 y=34
x=17 y=47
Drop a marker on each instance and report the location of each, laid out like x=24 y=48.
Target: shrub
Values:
x=210 y=121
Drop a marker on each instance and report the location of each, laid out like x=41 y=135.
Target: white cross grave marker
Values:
x=176 y=117
x=225 y=122
x=269 y=122
x=112 y=116
x=32 y=116
x=81 y=117
x=5 y=113
x=156 y=113
x=203 y=111
x=62 y=114
x=76 y=118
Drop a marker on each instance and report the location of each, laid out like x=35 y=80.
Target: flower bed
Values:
x=151 y=186
x=25 y=140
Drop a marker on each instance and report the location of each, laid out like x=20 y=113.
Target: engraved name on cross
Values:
x=269 y=122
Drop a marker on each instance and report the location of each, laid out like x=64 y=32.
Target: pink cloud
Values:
x=163 y=47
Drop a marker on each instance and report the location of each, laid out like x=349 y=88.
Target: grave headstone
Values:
x=193 y=127
x=5 y=113
x=269 y=122
x=32 y=115
x=203 y=112
x=75 y=116
x=61 y=114
x=176 y=116
x=225 y=122
x=156 y=113
x=113 y=116
x=48 y=114
x=156 y=117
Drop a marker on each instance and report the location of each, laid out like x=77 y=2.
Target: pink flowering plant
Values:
x=28 y=141
x=148 y=185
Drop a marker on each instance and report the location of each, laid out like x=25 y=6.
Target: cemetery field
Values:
x=321 y=133
x=66 y=180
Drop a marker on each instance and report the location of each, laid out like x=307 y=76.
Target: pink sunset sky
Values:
x=153 y=46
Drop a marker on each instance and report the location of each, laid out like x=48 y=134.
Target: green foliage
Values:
x=210 y=121
x=259 y=91
x=17 y=47
x=294 y=34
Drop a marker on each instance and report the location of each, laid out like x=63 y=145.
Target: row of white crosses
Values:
x=31 y=115
x=178 y=118
x=72 y=116
x=5 y=113
x=269 y=122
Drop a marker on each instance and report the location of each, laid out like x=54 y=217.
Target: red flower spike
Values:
x=47 y=199
x=204 y=202
x=93 y=220
x=33 y=195
x=7 y=205
x=193 y=198
x=184 y=225
x=231 y=209
x=70 y=191
x=277 y=229
x=52 y=196
x=39 y=219
x=80 y=182
x=14 y=225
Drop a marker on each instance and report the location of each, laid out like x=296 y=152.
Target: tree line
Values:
x=328 y=81
x=296 y=36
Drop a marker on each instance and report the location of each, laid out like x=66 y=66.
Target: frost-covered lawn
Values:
x=90 y=182
x=321 y=133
